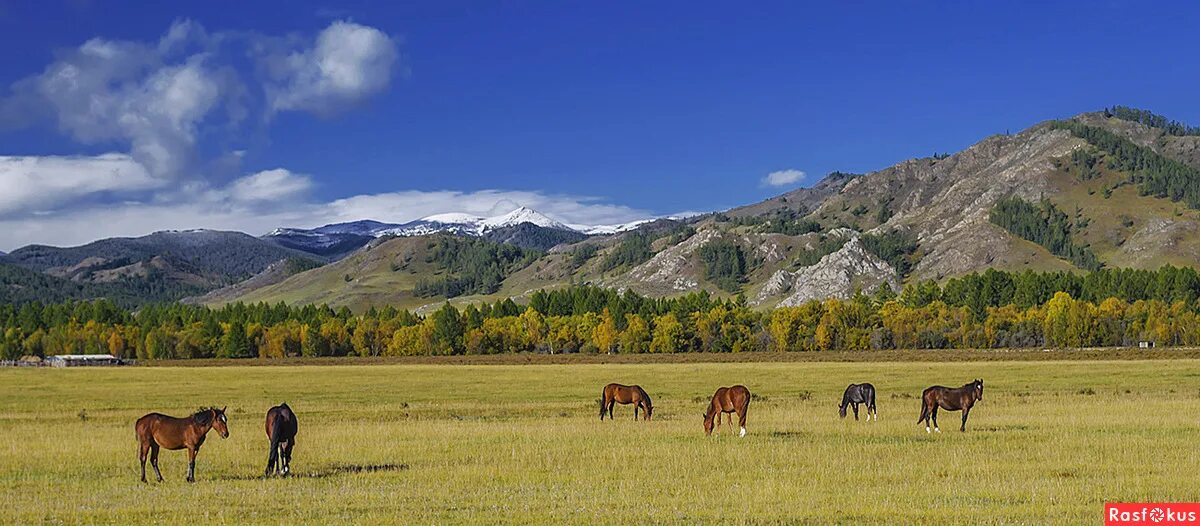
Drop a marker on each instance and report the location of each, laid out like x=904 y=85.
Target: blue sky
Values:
x=593 y=113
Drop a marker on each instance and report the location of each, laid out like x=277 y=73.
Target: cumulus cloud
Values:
x=270 y=185
x=34 y=184
x=157 y=97
x=107 y=91
x=347 y=64
x=783 y=177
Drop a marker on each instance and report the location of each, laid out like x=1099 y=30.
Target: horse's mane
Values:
x=203 y=416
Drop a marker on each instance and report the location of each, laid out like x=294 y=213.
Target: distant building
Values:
x=77 y=360
x=1144 y=344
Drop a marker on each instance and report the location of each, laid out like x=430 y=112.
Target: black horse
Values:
x=859 y=394
x=960 y=399
x=281 y=430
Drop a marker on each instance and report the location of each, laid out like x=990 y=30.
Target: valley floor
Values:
x=433 y=443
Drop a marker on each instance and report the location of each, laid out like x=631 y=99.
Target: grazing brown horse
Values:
x=614 y=394
x=729 y=400
x=961 y=399
x=157 y=430
x=281 y=430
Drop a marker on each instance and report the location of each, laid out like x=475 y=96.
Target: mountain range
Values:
x=1115 y=188
x=522 y=226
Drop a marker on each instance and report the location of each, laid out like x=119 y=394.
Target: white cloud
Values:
x=108 y=91
x=347 y=63
x=270 y=185
x=33 y=184
x=156 y=97
x=783 y=177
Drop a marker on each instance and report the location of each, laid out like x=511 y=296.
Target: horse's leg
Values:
x=855 y=406
x=272 y=459
x=154 y=460
x=636 y=405
x=611 y=405
x=191 y=477
x=934 y=415
x=741 y=420
x=966 y=411
x=287 y=456
x=143 y=449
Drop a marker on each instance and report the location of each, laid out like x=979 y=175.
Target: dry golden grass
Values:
x=484 y=444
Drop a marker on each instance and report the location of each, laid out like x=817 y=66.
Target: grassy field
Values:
x=483 y=444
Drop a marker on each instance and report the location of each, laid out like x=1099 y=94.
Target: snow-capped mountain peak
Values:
x=522 y=215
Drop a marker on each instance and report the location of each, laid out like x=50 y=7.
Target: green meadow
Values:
x=485 y=444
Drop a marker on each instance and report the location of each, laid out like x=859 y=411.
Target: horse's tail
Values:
x=276 y=437
x=603 y=392
x=924 y=410
x=872 y=398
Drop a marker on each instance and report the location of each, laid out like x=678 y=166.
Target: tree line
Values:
x=1154 y=174
x=1044 y=224
x=1110 y=307
x=1152 y=120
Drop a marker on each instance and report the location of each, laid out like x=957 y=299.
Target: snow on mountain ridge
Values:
x=459 y=223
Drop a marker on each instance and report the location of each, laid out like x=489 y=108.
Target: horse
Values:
x=625 y=394
x=728 y=400
x=859 y=394
x=962 y=398
x=157 y=430
x=281 y=431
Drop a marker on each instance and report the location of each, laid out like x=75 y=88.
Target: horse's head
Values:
x=842 y=411
x=708 y=424
x=220 y=422
x=979 y=389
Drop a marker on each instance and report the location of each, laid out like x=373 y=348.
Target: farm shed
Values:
x=77 y=360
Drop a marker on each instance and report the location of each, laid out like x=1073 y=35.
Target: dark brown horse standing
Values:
x=960 y=399
x=157 y=430
x=729 y=400
x=614 y=394
x=281 y=430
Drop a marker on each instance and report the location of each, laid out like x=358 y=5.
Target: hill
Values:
x=162 y=266
x=401 y=271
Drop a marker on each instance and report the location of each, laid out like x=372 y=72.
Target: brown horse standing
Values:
x=963 y=399
x=614 y=394
x=281 y=430
x=157 y=430
x=729 y=400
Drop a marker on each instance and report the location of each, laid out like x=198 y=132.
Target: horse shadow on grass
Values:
x=331 y=471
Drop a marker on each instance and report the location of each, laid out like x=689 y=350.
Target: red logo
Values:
x=1158 y=513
